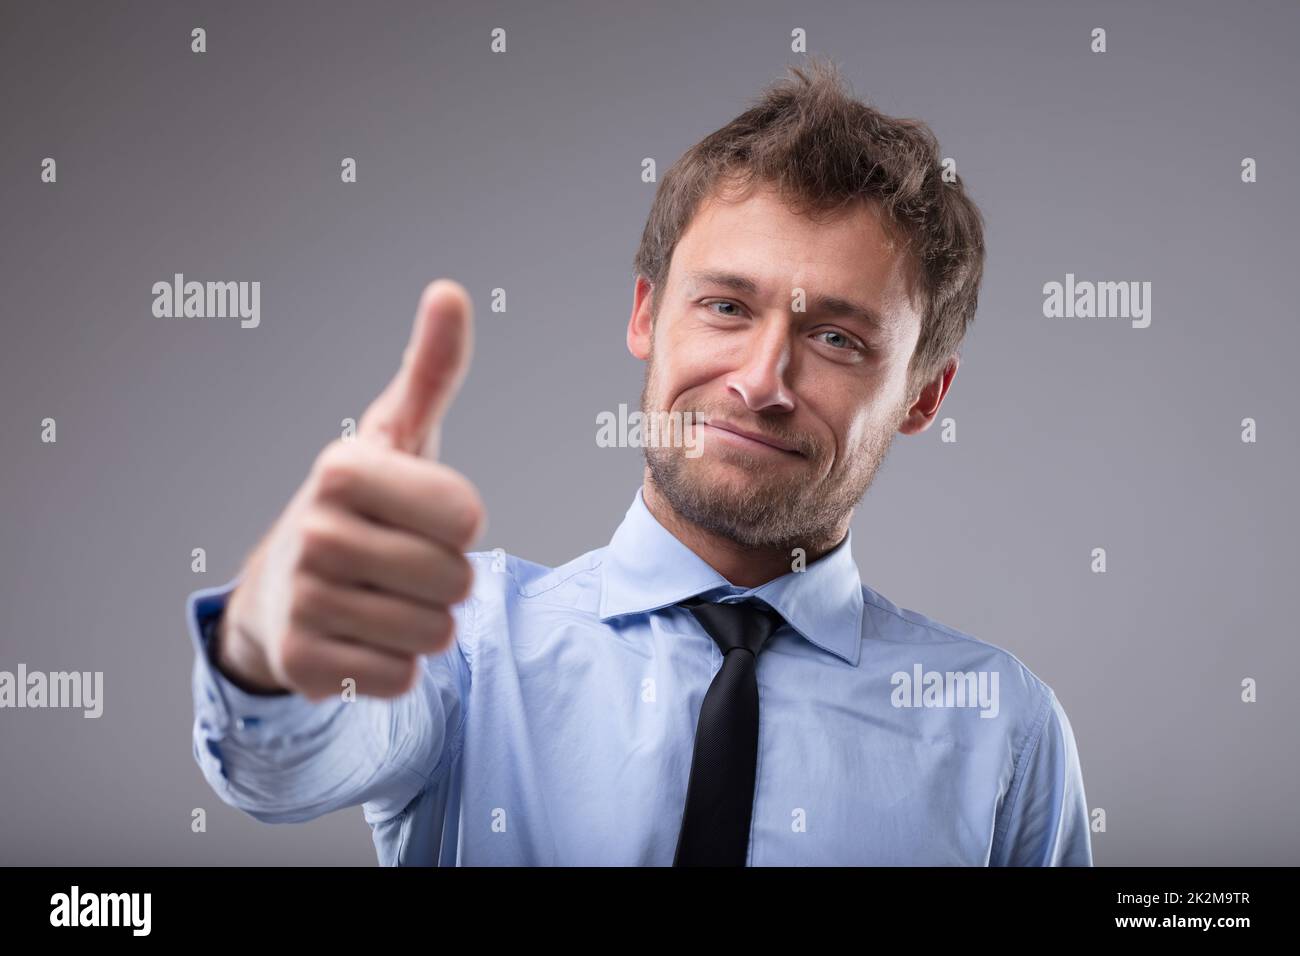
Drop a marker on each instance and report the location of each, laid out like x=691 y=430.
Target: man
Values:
x=716 y=686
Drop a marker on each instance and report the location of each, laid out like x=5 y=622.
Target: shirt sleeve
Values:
x=1044 y=821
x=284 y=759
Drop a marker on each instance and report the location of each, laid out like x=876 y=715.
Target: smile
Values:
x=749 y=440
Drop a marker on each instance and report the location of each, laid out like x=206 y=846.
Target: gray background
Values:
x=522 y=171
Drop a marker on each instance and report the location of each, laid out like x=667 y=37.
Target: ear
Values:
x=926 y=407
x=639 y=326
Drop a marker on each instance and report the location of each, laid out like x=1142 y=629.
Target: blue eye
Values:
x=848 y=343
x=709 y=305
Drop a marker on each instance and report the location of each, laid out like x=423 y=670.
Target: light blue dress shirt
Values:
x=559 y=727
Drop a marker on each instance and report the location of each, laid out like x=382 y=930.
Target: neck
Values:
x=741 y=565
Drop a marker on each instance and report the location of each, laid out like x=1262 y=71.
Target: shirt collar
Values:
x=647 y=568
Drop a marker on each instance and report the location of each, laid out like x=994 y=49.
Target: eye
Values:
x=726 y=302
x=842 y=341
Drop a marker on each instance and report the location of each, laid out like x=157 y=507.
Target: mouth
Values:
x=734 y=435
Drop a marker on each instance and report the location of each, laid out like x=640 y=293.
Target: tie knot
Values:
x=744 y=624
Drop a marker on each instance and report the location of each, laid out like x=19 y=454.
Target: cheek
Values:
x=681 y=374
x=861 y=430
x=858 y=433
x=667 y=385
x=877 y=406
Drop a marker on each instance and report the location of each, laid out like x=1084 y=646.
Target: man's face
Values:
x=730 y=345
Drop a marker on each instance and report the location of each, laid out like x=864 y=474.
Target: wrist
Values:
x=239 y=658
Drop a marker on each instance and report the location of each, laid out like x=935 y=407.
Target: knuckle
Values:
x=461 y=579
x=444 y=622
x=467 y=507
x=337 y=470
x=461 y=504
x=407 y=674
x=432 y=631
x=333 y=452
x=395 y=678
x=296 y=661
x=474 y=514
x=309 y=598
x=320 y=536
x=443 y=630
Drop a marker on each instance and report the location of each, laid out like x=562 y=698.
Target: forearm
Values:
x=283 y=758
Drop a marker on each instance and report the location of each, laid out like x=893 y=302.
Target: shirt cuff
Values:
x=226 y=709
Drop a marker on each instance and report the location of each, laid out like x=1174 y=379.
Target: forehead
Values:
x=846 y=254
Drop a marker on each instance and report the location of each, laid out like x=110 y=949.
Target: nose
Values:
x=760 y=379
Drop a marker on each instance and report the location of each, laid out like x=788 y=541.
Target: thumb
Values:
x=408 y=413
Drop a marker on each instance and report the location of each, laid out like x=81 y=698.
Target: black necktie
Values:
x=720 y=792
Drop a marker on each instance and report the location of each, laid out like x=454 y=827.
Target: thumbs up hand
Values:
x=408 y=414
x=357 y=576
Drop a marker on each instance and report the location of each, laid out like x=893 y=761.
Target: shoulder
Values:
x=921 y=645
x=500 y=576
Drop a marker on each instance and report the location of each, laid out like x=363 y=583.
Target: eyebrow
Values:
x=831 y=305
